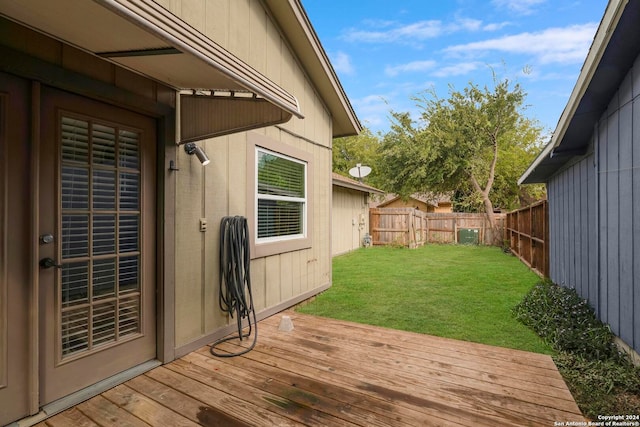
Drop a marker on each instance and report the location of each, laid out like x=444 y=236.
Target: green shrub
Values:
x=601 y=378
x=566 y=321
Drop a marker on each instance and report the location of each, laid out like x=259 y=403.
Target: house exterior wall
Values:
x=618 y=172
x=573 y=245
x=348 y=208
x=595 y=217
x=221 y=189
x=187 y=271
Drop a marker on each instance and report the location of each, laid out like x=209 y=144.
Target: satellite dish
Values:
x=359 y=171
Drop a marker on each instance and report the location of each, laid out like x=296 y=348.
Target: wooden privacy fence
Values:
x=412 y=228
x=527 y=231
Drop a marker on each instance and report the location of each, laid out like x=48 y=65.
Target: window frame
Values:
x=261 y=247
x=298 y=200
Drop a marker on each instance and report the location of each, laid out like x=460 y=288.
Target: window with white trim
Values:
x=281 y=196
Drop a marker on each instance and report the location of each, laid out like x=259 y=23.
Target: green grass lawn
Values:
x=455 y=291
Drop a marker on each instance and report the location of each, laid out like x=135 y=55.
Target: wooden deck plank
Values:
x=456 y=405
x=409 y=371
x=300 y=410
x=436 y=344
x=299 y=389
x=231 y=406
x=145 y=408
x=455 y=360
x=181 y=403
x=71 y=418
x=550 y=384
x=355 y=399
x=429 y=346
x=333 y=373
x=103 y=412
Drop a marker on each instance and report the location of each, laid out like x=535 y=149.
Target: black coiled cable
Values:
x=235 y=280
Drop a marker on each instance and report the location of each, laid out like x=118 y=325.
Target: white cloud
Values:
x=458 y=69
x=520 y=7
x=342 y=63
x=421 y=30
x=553 y=45
x=468 y=24
x=391 y=32
x=415 y=66
x=495 y=26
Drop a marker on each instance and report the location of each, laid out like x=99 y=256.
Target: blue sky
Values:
x=385 y=51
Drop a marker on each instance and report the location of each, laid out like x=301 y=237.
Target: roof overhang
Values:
x=297 y=28
x=344 y=182
x=613 y=51
x=144 y=37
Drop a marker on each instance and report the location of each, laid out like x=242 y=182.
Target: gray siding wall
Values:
x=594 y=211
x=573 y=247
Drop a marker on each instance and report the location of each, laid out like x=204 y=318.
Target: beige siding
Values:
x=220 y=189
x=346 y=228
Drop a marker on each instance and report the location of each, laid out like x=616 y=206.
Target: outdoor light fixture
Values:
x=192 y=148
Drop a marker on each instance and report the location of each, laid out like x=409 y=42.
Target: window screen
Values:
x=281 y=196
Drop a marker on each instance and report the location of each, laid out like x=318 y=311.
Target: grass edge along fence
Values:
x=412 y=228
x=527 y=232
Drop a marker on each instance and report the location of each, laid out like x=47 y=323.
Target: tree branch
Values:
x=492 y=169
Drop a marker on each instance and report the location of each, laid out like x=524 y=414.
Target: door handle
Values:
x=48 y=263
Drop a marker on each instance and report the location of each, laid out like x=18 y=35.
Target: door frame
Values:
x=61 y=375
x=42 y=72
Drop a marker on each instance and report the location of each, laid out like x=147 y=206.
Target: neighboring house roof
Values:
x=343 y=181
x=295 y=24
x=613 y=51
x=430 y=199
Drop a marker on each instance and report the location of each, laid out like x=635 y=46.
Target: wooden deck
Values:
x=333 y=373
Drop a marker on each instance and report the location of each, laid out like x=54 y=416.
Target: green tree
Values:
x=467 y=143
x=363 y=148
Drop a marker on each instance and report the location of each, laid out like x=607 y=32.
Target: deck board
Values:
x=333 y=373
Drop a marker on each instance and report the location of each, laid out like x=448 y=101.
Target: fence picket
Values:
x=527 y=231
x=413 y=228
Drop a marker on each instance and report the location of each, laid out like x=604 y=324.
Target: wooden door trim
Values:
x=4 y=285
x=34 y=294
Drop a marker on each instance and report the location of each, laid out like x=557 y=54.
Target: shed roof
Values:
x=342 y=181
x=427 y=198
x=613 y=51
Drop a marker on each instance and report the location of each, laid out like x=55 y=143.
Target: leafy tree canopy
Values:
x=476 y=143
x=364 y=149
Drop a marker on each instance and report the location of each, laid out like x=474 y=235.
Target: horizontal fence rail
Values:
x=413 y=228
x=527 y=231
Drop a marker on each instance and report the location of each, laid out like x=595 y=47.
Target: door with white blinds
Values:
x=97 y=211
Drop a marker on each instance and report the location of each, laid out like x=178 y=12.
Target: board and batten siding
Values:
x=220 y=189
x=595 y=216
x=347 y=231
x=572 y=229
